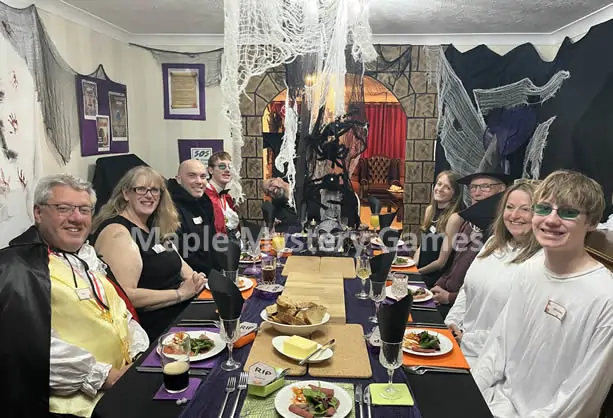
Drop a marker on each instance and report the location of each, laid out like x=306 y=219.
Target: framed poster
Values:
x=103 y=116
x=183 y=91
x=199 y=149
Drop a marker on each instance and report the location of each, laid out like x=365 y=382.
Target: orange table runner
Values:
x=453 y=359
x=206 y=294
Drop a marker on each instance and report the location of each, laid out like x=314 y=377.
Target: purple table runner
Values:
x=153 y=359
x=210 y=395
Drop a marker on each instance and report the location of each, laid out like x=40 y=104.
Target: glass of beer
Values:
x=175 y=348
x=269 y=270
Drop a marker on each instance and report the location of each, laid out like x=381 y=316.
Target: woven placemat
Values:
x=256 y=407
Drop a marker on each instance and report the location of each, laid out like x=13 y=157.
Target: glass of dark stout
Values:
x=269 y=270
x=175 y=349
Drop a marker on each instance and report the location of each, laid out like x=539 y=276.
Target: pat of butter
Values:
x=298 y=347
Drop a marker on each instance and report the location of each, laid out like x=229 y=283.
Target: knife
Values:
x=319 y=350
x=426 y=325
x=420 y=308
x=192 y=372
x=358 y=399
x=367 y=400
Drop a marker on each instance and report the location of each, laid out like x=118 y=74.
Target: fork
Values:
x=230 y=386
x=242 y=385
x=419 y=370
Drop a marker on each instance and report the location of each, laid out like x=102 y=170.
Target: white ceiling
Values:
x=387 y=17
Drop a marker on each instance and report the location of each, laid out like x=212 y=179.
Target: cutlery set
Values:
x=192 y=372
x=419 y=370
x=231 y=387
x=362 y=397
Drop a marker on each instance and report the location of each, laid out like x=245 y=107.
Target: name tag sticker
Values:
x=159 y=248
x=555 y=309
x=197 y=220
x=432 y=229
x=84 y=294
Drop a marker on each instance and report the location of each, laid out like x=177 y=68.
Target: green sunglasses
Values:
x=543 y=209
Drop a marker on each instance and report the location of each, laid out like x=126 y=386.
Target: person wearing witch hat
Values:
x=485 y=191
x=69 y=330
x=195 y=213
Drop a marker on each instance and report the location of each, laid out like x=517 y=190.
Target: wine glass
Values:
x=374 y=221
x=278 y=243
x=363 y=272
x=377 y=295
x=390 y=357
x=229 y=331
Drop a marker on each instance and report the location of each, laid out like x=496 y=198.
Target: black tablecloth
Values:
x=436 y=394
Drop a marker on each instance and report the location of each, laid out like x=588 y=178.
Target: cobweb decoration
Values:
x=262 y=34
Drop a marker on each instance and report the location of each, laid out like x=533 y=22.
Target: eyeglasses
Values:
x=65 y=210
x=483 y=187
x=543 y=209
x=224 y=166
x=141 y=190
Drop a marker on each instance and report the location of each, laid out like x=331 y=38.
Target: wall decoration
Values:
x=199 y=149
x=184 y=91
x=106 y=130
x=119 y=116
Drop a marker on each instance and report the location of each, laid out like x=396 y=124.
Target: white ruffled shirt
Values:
x=231 y=217
x=71 y=368
x=482 y=297
x=550 y=354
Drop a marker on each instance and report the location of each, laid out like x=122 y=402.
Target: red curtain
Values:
x=387 y=130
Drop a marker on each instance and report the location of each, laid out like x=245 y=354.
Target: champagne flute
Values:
x=377 y=295
x=374 y=221
x=363 y=272
x=278 y=243
x=229 y=331
x=390 y=357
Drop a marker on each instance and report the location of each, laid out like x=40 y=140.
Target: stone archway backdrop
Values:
x=418 y=97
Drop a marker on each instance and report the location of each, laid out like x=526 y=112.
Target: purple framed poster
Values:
x=103 y=116
x=199 y=149
x=184 y=91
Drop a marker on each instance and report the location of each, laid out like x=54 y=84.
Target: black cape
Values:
x=25 y=326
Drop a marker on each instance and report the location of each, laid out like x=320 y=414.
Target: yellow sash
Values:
x=85 y=324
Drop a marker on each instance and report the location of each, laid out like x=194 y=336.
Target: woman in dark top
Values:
x=132 y=234
x=433 y=255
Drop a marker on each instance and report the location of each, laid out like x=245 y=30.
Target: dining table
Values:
x=435 y=394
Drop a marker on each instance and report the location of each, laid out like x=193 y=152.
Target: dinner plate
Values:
x=377 y=241
x=410 y=263
x=247 y=284
x=284 y=398
x=446 y=344
x=257 y=260
x=277 y=343
x=218 y=348
x=391 y=295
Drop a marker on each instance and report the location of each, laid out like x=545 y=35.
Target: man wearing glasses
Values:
x=68 y=334
x=222 y=210
x=550 y=353
x=194 y=234
x=469 y=239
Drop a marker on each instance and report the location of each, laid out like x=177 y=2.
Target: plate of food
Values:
x=247 y=258
x=204 y=344
x=283 y=344
x=293 y=317
x=427 y=343
x=400 y=261
x=420 y=294
x=313 y=398
x=244 y=283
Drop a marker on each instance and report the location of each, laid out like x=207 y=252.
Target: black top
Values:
x=196 y=227
x=161 y=271
x=430 y=248
x=284 y=213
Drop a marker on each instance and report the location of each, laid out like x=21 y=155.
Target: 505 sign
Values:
x=202 y=154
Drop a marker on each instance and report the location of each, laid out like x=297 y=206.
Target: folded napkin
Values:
x=226 y=295
x=393 y=321
x=405 y=399
x=188 y=393
x=375 y=205
x=386 y=220
x=381 y=265
x=482 y=213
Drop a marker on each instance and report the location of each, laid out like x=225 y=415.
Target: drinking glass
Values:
x=229 y=331
x=254 y=249
x=400 y=285
x=390 y=357
x=374 y=221
x=231 y=275
x=269 y=270
x=363 y=272
x=278 y=243
x=377 y=295
x=174 y=355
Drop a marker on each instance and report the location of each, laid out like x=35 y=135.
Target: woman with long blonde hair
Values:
x=433 y=253
x=487 y=282
x=133 y=234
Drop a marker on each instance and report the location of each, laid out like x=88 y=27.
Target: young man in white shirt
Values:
x=550 y=353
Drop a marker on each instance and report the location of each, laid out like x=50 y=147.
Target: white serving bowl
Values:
x=302 y=330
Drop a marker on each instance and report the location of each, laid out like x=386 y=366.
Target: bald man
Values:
x=194 y=234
